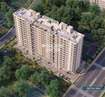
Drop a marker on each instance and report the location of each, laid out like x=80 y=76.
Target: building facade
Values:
x=42 y=37
x=101 y=3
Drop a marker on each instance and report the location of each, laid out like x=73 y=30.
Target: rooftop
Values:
x=62 y=29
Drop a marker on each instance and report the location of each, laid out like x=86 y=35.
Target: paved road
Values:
x=8 y=36
x=95 y=76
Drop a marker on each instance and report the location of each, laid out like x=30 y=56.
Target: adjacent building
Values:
x=42 y=37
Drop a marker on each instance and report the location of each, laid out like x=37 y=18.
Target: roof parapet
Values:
x=62 y=29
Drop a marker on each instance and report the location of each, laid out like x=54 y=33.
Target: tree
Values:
x=83 y=5
x=45 y=2
x=35 y=77
x=74 y=14
x=44 y=77
x=54 y=89
x=99 y=35
x=9 y=18
x=96 y=22
x=38 y=6
x=5 y=92
x=66 y=18
x=22 y=88
x=7 y=61
x=72 y=3
x=10 y=61
x=59 y=13
x=84 y=23
x=3 y=7
x=41 y=77
x=58 y=3
x=23 y=73
x=53 y=12
x=94 y=9
x=5 y=75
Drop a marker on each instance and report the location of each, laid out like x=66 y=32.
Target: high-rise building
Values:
x=101 y=3
x=42 y=37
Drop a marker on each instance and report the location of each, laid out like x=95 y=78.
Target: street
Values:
x=8 y=36
x=95 y=76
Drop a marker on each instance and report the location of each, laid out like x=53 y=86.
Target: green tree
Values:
x=84 y=23
x=5 y=92
x=22 y=88
x=54 y=89
x=3 y=7
x=41 y=77
x=94 y=9
x=7 y=61
x=96 y=23
x=99 y=35
x=23 y=72
x=5 y=75
x=74 y=14
x=38 y=6
x=53 y=12
x=83 y=5
x=9 y=18
x=35 y=77
x=45 y=2
x=44 y=77
x=58 y=3
x=10 y=62
x=66 y=18
x=72 y=3
x=59 y=13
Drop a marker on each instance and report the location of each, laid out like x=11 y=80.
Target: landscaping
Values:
x=21 y=77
